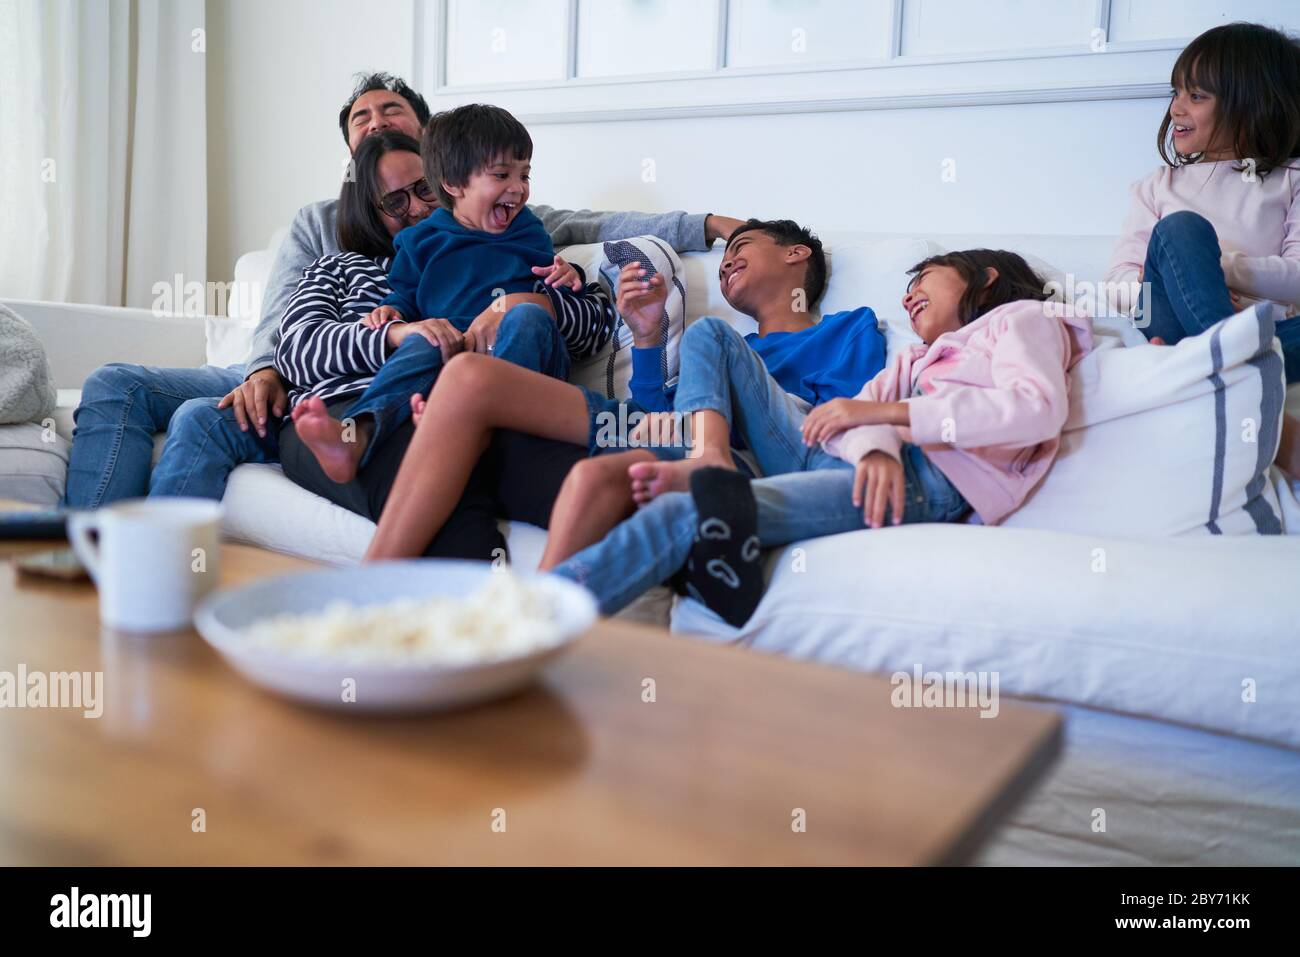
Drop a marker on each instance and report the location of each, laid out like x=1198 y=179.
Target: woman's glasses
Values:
x=397 y=202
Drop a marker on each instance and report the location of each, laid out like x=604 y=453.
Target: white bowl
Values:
x=379 y=686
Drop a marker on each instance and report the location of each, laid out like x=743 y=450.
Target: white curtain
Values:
x=103 y=148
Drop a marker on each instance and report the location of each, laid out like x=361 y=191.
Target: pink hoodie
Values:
x=993 y=410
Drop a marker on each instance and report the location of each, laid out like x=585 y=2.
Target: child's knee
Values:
x=467 y=370
x=1186 y=225
x=599 y=477
x=528 y=319
x=708 y=328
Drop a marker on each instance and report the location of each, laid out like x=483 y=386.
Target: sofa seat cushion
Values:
x=33 y=463
x=1183 y=630
x=1172 y=440
x=262 y=507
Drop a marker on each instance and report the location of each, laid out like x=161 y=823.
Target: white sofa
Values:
x=1147 y=662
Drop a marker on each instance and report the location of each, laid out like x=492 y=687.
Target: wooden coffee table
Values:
x=579 y=769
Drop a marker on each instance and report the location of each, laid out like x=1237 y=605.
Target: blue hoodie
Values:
x=443 y=270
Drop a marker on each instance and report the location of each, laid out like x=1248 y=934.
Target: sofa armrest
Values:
x=80 y=338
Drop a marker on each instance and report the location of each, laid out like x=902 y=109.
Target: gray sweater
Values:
x=26 y=386
x=313 y=235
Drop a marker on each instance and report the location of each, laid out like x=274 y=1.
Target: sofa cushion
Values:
x=262 y=507
x=1179 y=631
x=1169 y=440
x=609 y=372
x=33 y=463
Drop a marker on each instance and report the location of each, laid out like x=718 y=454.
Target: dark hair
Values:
x=458 y=143
x=786 y=232
x=1254 y=73
x=368 y=83
x=360 y=224
x=1016 y=280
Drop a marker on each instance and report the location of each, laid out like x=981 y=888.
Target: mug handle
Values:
x=80 y=525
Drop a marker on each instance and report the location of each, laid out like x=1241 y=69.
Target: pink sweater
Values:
x=1258 y=225
x=991 y=420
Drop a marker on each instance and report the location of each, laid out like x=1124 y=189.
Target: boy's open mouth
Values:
x=502 y=213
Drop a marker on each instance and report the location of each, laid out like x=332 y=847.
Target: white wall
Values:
x=1042 y=168
x=278 y=73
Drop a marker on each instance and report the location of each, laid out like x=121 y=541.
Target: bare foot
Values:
x=338 y=450
x=652 y=479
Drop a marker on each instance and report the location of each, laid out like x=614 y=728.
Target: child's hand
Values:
x=418 y=404
x=640 y=301
x=878 y=482
x=559 y=273
x=1235 y=298
x=380 y=317
x=837 y=415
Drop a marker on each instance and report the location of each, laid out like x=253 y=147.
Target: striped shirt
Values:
x=324 y=349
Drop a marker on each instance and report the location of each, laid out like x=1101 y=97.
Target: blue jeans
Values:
x=122 y=407
x=720 y=372
x=651 y=545
x=527 y=336
x=1188 y=291
x=204 y=445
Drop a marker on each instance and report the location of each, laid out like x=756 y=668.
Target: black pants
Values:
x=518 y=478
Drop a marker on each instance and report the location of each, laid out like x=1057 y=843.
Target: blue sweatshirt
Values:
x=833 y=359
x=447 y=271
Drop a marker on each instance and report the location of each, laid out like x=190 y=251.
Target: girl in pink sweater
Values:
x=1217 y=229
x=969 y=421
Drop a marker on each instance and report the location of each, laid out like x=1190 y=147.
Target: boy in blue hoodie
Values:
x=482 y=248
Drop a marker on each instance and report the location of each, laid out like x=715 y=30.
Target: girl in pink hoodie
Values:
x=969 y=421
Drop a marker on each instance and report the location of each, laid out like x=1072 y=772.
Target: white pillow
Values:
x=874 y=273
x=610 y=372
x=230 y=337
x=1170 y=440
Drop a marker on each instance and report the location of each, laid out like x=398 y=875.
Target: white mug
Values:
x=155 y=559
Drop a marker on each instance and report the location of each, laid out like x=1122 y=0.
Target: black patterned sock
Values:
x=725 y=569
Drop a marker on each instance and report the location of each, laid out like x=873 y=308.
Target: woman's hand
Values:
x=481 y=336
x=838 y=415
x=380 y=317
x=439 y=332
x=878 y=482
x=559 y=273
x=640 y=301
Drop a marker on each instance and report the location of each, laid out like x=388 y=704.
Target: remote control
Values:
x=45 y=524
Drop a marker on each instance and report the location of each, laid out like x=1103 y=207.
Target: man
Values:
x=124 y=405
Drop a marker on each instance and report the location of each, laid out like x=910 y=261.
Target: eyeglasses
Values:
x=397 y=202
